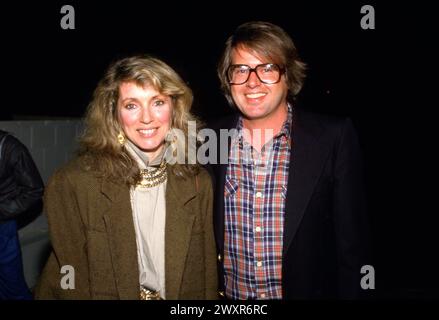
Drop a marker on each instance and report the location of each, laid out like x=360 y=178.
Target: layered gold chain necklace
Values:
x=152 y=177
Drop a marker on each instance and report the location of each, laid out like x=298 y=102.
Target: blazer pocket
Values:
x=230 y=187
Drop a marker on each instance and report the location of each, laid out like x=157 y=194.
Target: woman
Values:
x=125 y=221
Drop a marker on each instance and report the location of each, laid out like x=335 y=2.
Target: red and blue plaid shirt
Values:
x=254 y=196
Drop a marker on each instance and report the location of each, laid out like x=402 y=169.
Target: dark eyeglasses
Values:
x=268 y=73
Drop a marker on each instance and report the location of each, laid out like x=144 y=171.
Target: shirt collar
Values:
x=284 y=131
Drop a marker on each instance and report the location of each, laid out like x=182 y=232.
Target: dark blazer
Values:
x=21 y=186
x=21 y=192
x=326 y=231
x=92 y=229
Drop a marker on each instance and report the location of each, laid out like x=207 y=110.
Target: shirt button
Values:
x=219 y=257
x=258 y=229
x=259 y=263
x=258 y=194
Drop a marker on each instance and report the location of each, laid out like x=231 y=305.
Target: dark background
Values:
x=383 y=79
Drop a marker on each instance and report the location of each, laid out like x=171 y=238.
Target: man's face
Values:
x=256 y=100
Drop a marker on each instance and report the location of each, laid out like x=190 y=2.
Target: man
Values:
x=289 y=215
x=21 y=191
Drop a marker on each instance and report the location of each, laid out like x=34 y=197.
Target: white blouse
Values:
x=149 y=215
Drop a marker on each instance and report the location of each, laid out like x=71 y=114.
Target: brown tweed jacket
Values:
x=92 y=230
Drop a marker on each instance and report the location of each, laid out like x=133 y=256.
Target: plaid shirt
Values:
x=254 y=196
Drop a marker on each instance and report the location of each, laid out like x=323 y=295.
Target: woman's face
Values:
x=145 y=116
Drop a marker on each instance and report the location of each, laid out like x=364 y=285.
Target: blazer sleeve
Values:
x=29 y=186
x=350 y=213
x=211 y=282
x=68 y=240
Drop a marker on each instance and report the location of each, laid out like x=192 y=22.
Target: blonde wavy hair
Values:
x=99 y=146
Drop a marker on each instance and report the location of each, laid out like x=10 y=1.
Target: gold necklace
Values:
x=152 y=177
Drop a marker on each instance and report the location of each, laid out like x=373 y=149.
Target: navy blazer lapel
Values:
x=220 y=171
x=310 y=149
x=220 y=175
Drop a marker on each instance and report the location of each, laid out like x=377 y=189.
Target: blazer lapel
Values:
x=179 y=221
x=220 y=170
x=308 y=154
x=220 y=175
x=122 y=239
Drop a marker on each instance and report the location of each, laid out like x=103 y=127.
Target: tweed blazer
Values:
x=92 y=230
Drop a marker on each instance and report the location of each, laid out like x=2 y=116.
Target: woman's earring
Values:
x=121 y=138
x=171 y=137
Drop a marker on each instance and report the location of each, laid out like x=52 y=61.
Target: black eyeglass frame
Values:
x=281 y=72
